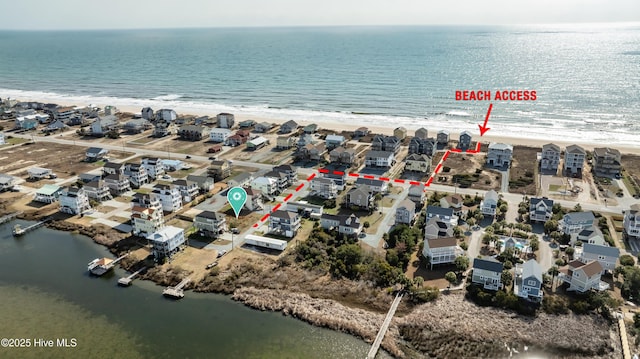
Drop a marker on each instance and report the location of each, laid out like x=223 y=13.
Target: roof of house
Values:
x=95 y=150
x=439 y=211
x=500 y=146
x=491 y=264
x=465 y=133
x=606 y=151
x=379 y=154
x=580 y=216
x=166 y=233
x=310 y=127
x=356 y=190
x=114 y=165
x=199 y=179
x=592 y=268
x=531 y=268
x=241 y=177
x=95 y=184
x=322 y=180
x=117 y=177
x=369 y=182
x=575 y=149
x=220 y=130
x=551 y=146
x=253 y=192
x=442 y=242
x=408 y=204
x=335 y=138
x=491 y=194
x=347 y=221
x=184 y=183
x=211 y=215
x=547 y=202
x=444 y=132
x=284 y=214
x=601 y=250
x=258 y=141
x=38 y=171
x=290 y=123
x=285 y=168
x=454 y=200
x=5 y=179
x=48 y=189
x=417 y=157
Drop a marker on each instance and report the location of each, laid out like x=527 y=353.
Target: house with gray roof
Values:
x=373 y=185
x=7 y=182
x=361 y=198
x=441 y=250
x=242 y=179
x=607 y=256
x=489 y=203
x=528 y=283
x=333 y=141
x=574 y=157
x=210 y=224
x=591 y=235
x=385 y=143
x=349 y=225
x=606 y=162
x=205 y=183
x=289 y=126
x=631 y=221
x=499 y=155
x=444 y=214
x=324 y=188
x=488 y=273
x=375 y=158
x=465 y=140
x=406 y=212
x=575 y=222
x=284 y=223
x=427 y=146
x=540 y=209
x=550 y=157
x=95 y=153
x=437 y=228
x=443 y=137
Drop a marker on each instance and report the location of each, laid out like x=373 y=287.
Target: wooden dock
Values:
x=18 y=230
x=176 y=292
x=126 y=281
x=10 y=216
x=385 y=325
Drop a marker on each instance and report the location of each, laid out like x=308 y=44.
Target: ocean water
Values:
x=587 y=76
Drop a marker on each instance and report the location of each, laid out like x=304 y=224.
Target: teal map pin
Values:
x=237 y=197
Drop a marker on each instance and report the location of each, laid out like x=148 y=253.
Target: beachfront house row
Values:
x=204 y=183
x=444 y=214
x=94 y=154
x=441 y=251
x=528 y=283
x=145 y=221
x=219 y=135
x=137 y=174
x=117 y=184
x=499 y=155
x=266 y=185
x=102 y=125
x=385 y=143
x=48 y=193
x=349 y=225
x=166 y=242
x=147 y=113
x=210 y=224
x=443 y=137
x=154 y=166
x=289 y=126
x=254 y=199
x=333 y=141
x=606 y=162
x=488 y=273
x=426 y=146
x=437 y=228
x=73 y=200
x=574 y=157
x=113 y=168
x=455 y=202
x=341 y=155
x=263 y=127
x=169 y=196
x=323 y=188
x=284 y=223
x=193 y=132
x=188 y=189
x=591 y=235
x=379 y=159
x=219 y=169
x=361 y=198
x=575 y=222
x=361 y=132
x=464 y=142
x=417 y=194
x=606 y=255
x=406 y=212
x=421 y=133
x=631 y=222
x=540 y=209
x=373 y=185
x=285 y=142
x=98 y=190
x=550 y=157
x=489 y=203
x=582 y=276
x=400 y=133
x=339 y=179
x=225 y=120
x=243 y=179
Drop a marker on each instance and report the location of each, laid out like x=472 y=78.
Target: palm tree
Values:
x=554 y=271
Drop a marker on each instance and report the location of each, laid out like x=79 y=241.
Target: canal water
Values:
x=46 y=293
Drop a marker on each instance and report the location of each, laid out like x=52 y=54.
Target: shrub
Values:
x=553 y=304
x=627 y=260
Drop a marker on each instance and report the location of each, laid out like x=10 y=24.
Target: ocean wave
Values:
x=169 y=97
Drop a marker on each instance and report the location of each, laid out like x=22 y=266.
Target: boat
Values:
x=17 y=230
x=100 y=266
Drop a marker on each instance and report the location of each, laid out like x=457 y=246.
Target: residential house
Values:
x=38 y=173
x=385 y=143
x=56 y=125
x=310 y=129
x=379 y=159
x=280 y=178
x=7 y=182
x=27 y=122
x=290 y=171
x=360 y=197
x=169 y=196
x=285 y=142
x=97 y=190
x=147 y=113
x=246 y=124
x=242 y=179
x=210 y=224
x=550 y=157
x=417 y=163
x=263 y=127
x=582 y=276
x=591 y=235
x=425 y=146
x=205 y=183
x=305 y=140
x=237 y=140
x=225 y=120
x=631 y=222
x=437 y=228
x=339 y=179
x=219 y=169
x=606 y=162
x=154 y=166
x=48 y=193
x=528 y=283
x=146 y=220
x=103 y=125
x=311 y=152
x=172 y=165
x=95 y=154
x=444 y=214
x=266 y=185
x=349 y=225
x=417 y=194
x=288 y=126
x=166 y=242
x=488 y=273
x=443 y=137
x=489 y=204
x=137 y=174
x=323 y=188
x=499 y=155
x=137 y=125
x=219 y=135
x=540 y=209
x=145 y=200
x=193 y=132
x=575 y=222
x=305 y=208
x=574 y=157
x=188 y=189
x=167 y=115
x=254 y=199
x=421 y=133
x=73 y=200
x=333 y=141
x=373 y=185
x=164 y=128
x=406 y=212
x=341 y=155
x=607 y=256
x=455 y=202
x=63 y=114
x=113 y=168
x=465 y=140
x=441 y=251
x=400 y=133
x=257 y=143
x=284 y=223
x=361 y=132
x=117 y=184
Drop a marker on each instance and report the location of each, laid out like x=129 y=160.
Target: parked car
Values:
x=188 y=157
x=235 y=230
x=221 y=253
x=212 y=158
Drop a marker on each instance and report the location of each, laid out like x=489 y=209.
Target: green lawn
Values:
x=142 y=190
x=555 y=187
x=629 y=184
x=15 y=141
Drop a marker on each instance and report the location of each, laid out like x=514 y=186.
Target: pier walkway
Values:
x=18 y=231
x=126 y=281
x=176 y=292
x=10 y=216
x=385 y=325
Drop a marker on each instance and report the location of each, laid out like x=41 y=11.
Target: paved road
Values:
x=389 y=218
